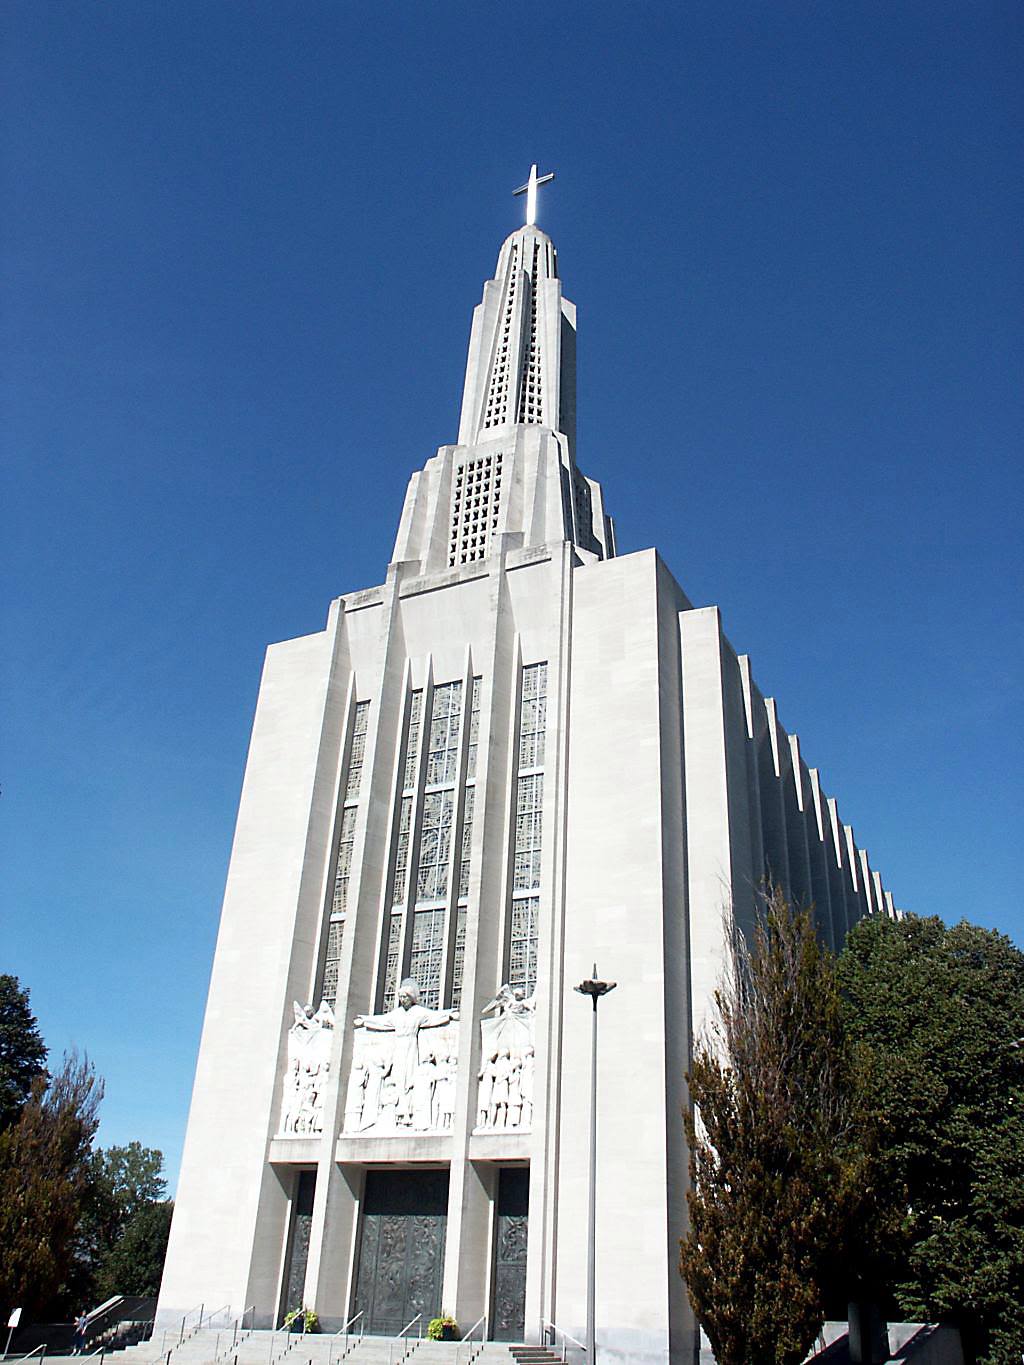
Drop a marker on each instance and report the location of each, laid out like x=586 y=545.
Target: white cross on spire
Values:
x=530 y=190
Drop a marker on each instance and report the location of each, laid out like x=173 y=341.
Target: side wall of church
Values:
x=228 y=1199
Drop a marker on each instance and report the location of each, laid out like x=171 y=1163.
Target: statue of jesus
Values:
x=405 y=1022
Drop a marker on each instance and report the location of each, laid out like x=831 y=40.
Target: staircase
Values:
x=209 y=1346
x=535 y=1355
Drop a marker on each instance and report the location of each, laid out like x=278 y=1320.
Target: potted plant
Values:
x=301 y=1320
x=443 y=1328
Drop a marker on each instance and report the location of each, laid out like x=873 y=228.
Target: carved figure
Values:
x=526 y=1087
x=486 y=1084
x=501 y=1069
x=309 y=1062
x=423 y=1094
x=515 y=1093
x=505 y=1091
x=444 y=1093
x=355 y=1096
x=402 y=1072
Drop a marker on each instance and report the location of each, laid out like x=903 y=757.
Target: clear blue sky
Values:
x=241 y=245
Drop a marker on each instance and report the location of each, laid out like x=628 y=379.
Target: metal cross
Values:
x=530 y=190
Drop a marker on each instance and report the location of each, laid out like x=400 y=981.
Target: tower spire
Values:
x=530 y=190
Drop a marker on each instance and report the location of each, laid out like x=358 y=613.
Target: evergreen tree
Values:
x=22 y=1050
x=939 y=1016
x=44 y=1171
x=776 y=1171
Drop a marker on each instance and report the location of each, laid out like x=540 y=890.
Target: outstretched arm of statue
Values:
x=439 y=1017
x=376 y=1023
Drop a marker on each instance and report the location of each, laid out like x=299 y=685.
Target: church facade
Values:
x=518 y=755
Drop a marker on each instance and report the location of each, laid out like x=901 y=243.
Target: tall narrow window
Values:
x=400 y=886
x=346 y=844
x=469 y=800
x=434 y=855
x=523 y=935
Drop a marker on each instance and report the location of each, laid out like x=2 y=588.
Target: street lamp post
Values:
x=595 y=989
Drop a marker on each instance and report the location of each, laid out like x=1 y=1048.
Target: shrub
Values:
x=443 y=1328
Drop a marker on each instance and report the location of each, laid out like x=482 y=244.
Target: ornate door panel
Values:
x=510 y=1254
x=401 y=1249
x=294 y=1289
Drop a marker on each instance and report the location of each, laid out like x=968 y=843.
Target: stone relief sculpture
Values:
x=309 y=1062
x=505 y=1082
x=403 y=1069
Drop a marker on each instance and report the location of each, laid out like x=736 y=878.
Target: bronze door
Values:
x=401 y=1249
x=293 y=1291
x=510 y=1254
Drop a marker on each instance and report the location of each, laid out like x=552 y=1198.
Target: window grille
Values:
x=443 y=744
x=474 y=727
x=412 y=741
x=458 y=956
x=346 y=847
x=427 y=953
x=529 y=813
x=358 y=751
x=476 y=497
x=393 y=960
x=522 y=971
x=401 y=884
x=467 y=842
x=435 y=845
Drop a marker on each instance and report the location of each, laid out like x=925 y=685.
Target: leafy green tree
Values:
x=135 y=1263
x=22 y=1050
x=938 y=1014
x=44 y=1171
x=124 y=1181
x=775 y=1163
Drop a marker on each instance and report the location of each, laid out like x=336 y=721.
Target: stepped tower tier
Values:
x=511 y=482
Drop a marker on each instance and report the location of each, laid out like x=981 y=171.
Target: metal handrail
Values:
x=344 y=1331
x=479 y=1321
x=468 y=1338
x=417 y=1319
x=41 y=1350
x=354 y=1318
x=185 y=1319
x=210 y=1316
x=556 y=1332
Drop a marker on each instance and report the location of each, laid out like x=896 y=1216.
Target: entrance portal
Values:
x=401 y=1250
x=510 y=1253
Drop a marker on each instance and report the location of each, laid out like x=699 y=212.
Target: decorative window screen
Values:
x=401 y=883
x=443 y=747
x=476 y=499
x=346 y=846
x=427 y=954
x=435 y=845
x=423 y=849
x=529 y=816
x=403 y=850
x=465 y=859
x=459 y=957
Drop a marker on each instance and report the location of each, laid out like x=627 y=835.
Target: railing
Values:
x=407 y=1344
x=346 y=1333
x=238 y=1333
x=468 y=1340
x=555 y=1332
x=209 y=1317
x=184 y=1320
x=40 y=1351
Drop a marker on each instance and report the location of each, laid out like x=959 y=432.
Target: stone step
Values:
x=211 y=1346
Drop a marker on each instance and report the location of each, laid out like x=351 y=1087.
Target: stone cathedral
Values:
x=517 y=755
